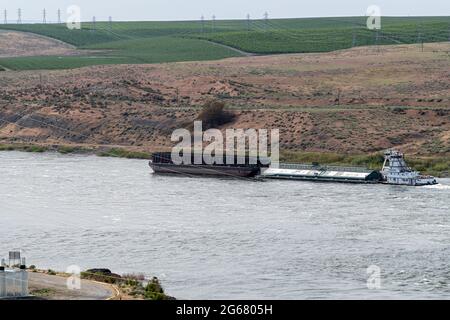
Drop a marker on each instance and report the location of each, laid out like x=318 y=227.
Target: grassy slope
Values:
x=154 y=42
x=146 y=50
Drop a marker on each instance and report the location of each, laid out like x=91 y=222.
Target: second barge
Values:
x=323 y=173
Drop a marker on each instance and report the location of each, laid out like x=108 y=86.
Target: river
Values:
x=211 y=238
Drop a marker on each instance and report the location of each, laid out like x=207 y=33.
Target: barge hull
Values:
x=321 y=179
x=215 y=171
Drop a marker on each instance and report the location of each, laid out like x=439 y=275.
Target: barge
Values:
x=245 y=166
x=316 y=172
x=394 y=172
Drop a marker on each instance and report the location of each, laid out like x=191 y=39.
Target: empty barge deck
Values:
x=323 y=173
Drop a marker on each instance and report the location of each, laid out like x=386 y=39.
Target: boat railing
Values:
x=298 y=166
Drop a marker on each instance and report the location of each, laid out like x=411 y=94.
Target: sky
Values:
x=130 y=10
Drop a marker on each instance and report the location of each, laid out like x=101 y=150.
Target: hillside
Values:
x=156 y=42
x=354 y=101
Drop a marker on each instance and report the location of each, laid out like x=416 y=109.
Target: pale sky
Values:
x=225 y=9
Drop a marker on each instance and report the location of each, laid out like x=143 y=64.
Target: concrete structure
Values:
x=13 y=283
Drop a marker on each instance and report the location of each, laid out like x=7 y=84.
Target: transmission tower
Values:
x=94 y=22
x=266 y=21
x=248 y=22
x=110 y=23
x=5 y=16
x=59 y=16
x=213 y=23
x=203 y=23
x=44 y=16
x=19 y=16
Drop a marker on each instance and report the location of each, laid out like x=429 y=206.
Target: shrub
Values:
x=51 y=272
x=154 y=290
x=213 y=115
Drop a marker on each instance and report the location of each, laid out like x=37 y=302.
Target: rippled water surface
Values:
x=226 y=239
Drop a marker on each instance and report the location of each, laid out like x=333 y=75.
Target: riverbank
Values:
x=100 y=151
x=436 y=165
x=95 y=284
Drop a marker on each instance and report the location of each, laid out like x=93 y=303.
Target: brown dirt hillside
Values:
x=18 y=44
x=352 y=101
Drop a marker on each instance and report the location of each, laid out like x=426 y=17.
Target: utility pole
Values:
x=94 y=21
x=203 y=23
x=213 y=23
x=59 y=16
x=354 y=41
x=5 y=16
x=248 y=22
x=110 y=23
x=266 y=21
x=19 y=16
x=44 y=16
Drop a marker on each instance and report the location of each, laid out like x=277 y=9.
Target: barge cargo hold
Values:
x=162 y=163
x=323 y=173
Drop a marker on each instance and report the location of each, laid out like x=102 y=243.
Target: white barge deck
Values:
x=322 y=173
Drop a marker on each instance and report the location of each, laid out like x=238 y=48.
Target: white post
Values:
x=2 y=282
x=24 y=282
x=23 y=279
x=10 y=283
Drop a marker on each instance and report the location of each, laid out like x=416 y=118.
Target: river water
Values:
x=226 y=239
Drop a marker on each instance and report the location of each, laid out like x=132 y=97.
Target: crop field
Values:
x=156 y=42
x=138 y=51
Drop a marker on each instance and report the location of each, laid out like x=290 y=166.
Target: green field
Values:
x=136 y=51
x=155 y=42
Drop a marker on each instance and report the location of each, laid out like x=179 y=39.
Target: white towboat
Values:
x=396 y=171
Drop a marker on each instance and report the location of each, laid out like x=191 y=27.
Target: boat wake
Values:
x=438 y=187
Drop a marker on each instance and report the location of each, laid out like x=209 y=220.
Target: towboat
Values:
x=396 y=171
